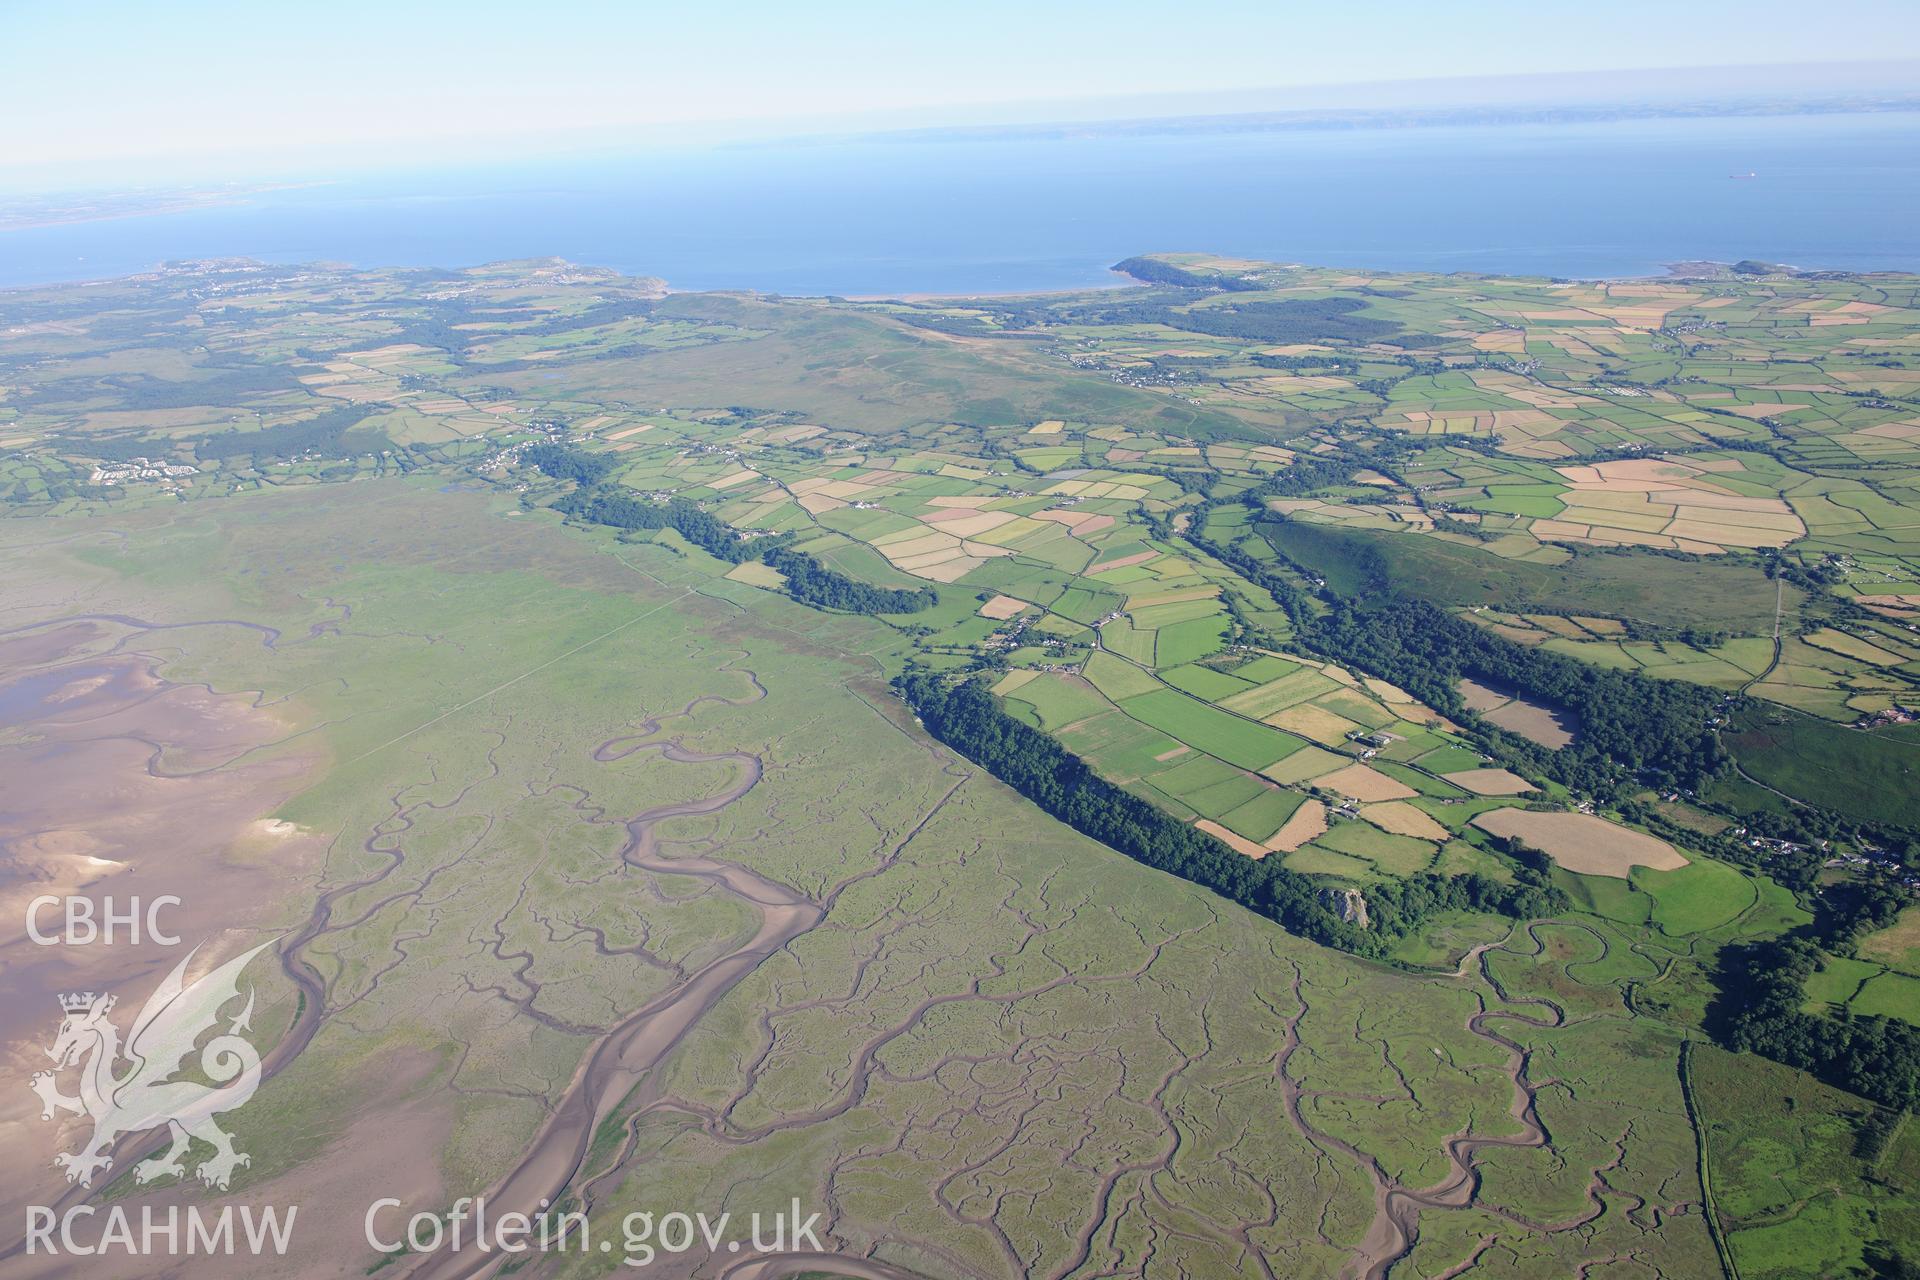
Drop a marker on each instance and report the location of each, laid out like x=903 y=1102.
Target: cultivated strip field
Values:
x=1583 y=843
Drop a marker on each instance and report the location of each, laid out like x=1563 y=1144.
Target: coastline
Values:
x=1680 y=269
x=1033 y=217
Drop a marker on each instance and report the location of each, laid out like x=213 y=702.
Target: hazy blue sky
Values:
x=113 y=88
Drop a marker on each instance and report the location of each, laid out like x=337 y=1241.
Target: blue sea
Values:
x=906 y=215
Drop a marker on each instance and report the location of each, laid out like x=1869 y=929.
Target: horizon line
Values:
x=1648 y=91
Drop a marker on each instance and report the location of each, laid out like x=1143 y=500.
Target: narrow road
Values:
x=1779 y=596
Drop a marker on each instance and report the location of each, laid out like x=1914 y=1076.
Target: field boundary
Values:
x=1728 y=1267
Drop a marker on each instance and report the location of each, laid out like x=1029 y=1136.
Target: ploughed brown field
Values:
x=1581 y=842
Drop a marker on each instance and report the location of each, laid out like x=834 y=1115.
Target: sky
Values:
x=139 y=92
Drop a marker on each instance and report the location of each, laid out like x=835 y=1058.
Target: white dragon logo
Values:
x=147 y=1096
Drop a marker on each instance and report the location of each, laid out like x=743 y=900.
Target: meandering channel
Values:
x=625 y=1056
x=619 y=1059
x=1396 y=1224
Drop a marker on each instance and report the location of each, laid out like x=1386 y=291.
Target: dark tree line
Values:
x=211 y=383
x=1344 y=366
x=620 y=509
x=811 y=582
x=808 y=581
x=967 y=718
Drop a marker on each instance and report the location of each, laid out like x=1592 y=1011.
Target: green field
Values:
x=1390 y=854
x=1897 y=945
x=1203 y=682
x=1696 y=898
x=1059 y=701
x=1796 y=1198
x=1185 y=641
x=1890 y=995
x=1240 y=742
x=1874 y=775
x=1653 y=589
x=1262 y=815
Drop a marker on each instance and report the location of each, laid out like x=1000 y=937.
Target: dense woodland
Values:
x=1631 y=727
x=810 y=582
x=219 y=381
x=620 y=509
x=1763 y=989
x=562 y=463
